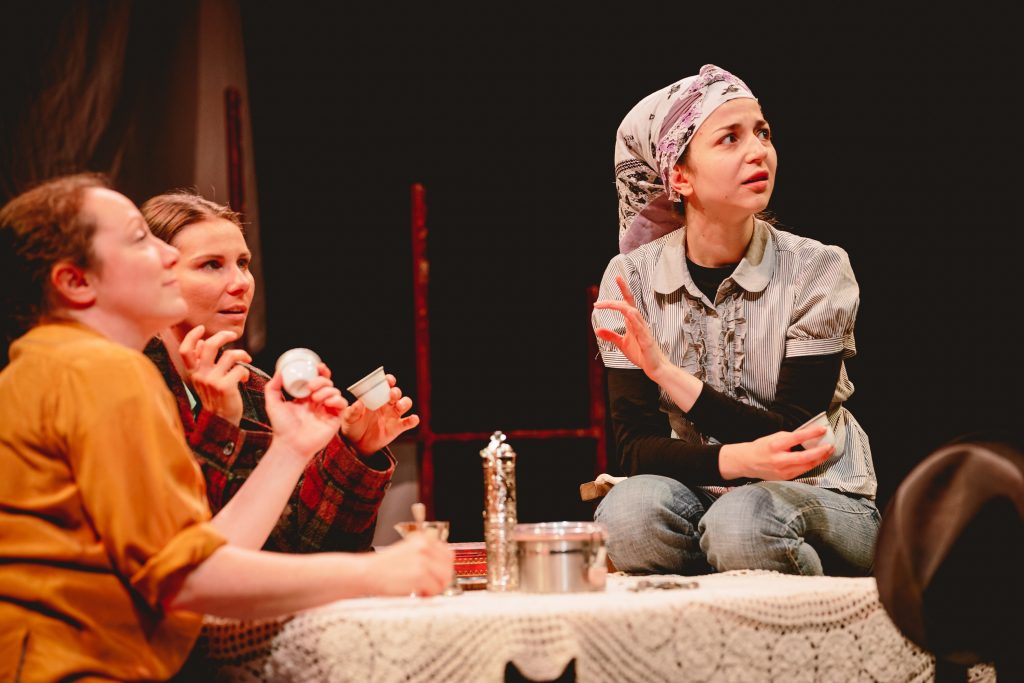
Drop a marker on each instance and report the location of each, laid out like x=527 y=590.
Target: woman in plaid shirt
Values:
x=334 y=506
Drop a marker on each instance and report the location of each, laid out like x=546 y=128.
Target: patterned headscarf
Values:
x=649 y=142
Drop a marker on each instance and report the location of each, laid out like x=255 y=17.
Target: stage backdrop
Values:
x=892 y=130
x=896 y=135
x=154 y=95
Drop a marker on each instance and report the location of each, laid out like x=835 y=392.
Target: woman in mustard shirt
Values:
x=108 y=554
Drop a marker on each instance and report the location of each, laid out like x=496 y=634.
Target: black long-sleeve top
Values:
x=805 y=387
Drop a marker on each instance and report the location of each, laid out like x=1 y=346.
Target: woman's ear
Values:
x=71 y=286
x=679 y=180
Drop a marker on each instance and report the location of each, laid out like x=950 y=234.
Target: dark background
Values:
x=898 y=133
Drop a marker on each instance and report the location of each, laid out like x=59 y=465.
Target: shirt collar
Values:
x=752 y=273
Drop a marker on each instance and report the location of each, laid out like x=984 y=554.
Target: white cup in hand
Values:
x=372 y=389
x=819 y=420
x=298 y=367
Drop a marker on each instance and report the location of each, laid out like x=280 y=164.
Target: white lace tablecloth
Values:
x=737 y=626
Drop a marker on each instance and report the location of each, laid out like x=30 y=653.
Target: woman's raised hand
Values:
x=215 y=380
x=305 y=425
x=771 y=457
x=637 y=344
x=370 y=430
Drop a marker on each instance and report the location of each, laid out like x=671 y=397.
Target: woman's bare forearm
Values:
x=682 y=387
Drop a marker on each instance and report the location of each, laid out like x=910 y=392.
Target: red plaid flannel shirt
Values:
x=335 y=503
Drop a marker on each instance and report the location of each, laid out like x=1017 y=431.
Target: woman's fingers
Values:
x=636 y=324
x=799 y=462
x=785 y=441
x=439 y=563
x=354 y=413
x=207 y=350
x=230 y=359
x=407 y=423
x=323 y=393
x=609 y=335
x=614 y=305
x=634 y=320
x=627 y=295
x=317 y=383
x=239 y=374
x=187 y=348
x=225 y=372
x=273 y=391
x=337 y=403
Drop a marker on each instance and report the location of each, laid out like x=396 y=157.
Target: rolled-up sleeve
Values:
x=825 y=308
x=140 y=486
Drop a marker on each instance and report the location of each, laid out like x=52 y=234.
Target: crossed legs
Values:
x=656 y=524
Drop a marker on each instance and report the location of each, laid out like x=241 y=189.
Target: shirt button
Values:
x=229 y=448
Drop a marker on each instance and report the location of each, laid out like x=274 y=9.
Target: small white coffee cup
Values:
x=297 y=367
x=819 y=420
x=372 y=389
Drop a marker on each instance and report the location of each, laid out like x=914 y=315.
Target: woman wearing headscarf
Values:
x=722 y=334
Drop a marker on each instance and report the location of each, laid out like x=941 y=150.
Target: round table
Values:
x=736 y=626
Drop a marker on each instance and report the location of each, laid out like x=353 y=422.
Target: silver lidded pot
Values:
x=562 y=557
x=499 y=463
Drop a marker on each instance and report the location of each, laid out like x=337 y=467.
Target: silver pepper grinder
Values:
x=499 y=462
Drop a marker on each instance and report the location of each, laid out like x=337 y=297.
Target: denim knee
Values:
x=651 y=522
x=751 y=528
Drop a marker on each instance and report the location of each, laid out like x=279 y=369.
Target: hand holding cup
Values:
x=370 y=428
x=372 y=390
x=306 y=424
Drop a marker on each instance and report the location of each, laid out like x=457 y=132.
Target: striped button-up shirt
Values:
x=789 y=296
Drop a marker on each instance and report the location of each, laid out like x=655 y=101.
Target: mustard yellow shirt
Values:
x=103 y=512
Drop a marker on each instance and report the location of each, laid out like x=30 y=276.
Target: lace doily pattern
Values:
x=732 y=627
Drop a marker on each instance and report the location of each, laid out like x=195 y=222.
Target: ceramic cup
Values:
x=438 y=529
x=819 y=420
x=372 y=389
x=297 y=368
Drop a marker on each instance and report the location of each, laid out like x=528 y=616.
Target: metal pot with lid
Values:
x=561 y=557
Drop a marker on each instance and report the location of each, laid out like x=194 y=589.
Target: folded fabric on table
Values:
x=592 y=490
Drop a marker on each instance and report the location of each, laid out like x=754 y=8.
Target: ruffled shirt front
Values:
x=789 y=296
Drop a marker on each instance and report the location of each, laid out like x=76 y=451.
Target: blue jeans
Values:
x=656 y=524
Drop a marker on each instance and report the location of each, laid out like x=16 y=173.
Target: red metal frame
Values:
x=426 y=435
x=233 y=129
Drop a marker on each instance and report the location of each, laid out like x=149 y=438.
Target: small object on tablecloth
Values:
x=592 y=490
x=470 y=565
x=470 y=559
x=648 y=584
x=562 y=557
